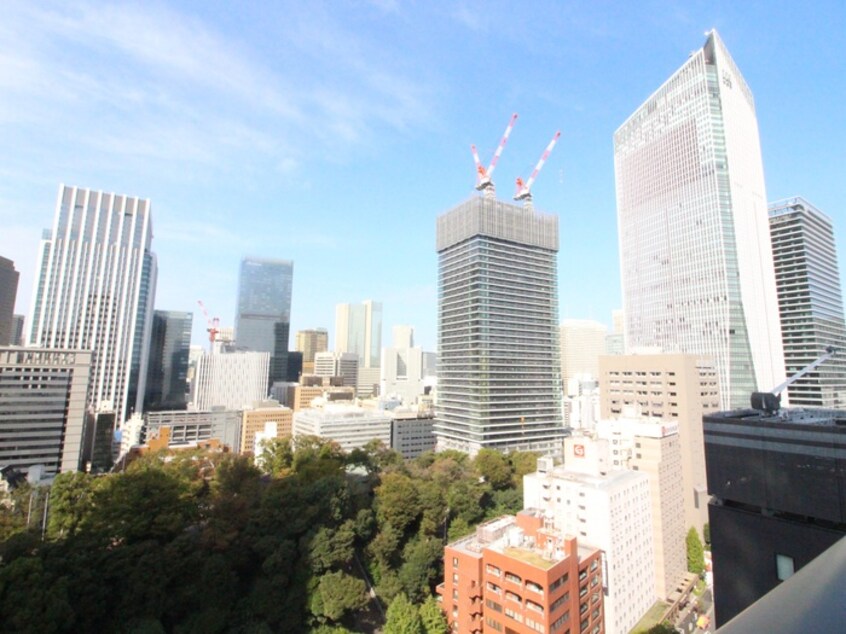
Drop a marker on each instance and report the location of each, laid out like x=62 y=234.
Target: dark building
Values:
x=17 y=330
x=8 y=293
x=779 y=497
x=167 y=368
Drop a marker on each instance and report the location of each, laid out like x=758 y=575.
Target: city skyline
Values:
x=303 y=175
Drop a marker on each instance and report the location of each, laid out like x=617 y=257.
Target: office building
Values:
x=167 y=369
x=231 y=380
x=499 y=364
x=695 y=255
x=679 y=388
x=263 y=320
x=194 y=426
x=358 y=329
x=95 y=289
x=582 y=343
x=310 y=342
x=402 y=368
x=779 y=498
x=809 y=301
x=342 y=364
x=412 y=432
x=330 y=388
x=350 y=426
x=609 y=510
x=18 y=330
x=517 y=574
x=43 y=408
x=256 y=419
x=8 y=293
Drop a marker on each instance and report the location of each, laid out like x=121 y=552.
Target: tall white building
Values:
x=232 y=380
x=402 y=367
x=582 y=343
x=358 y=329
x=95 y=290
x=610 y=510
x=695 y=254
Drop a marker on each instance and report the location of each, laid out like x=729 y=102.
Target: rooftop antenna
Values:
x=524 y=192
x=484 y=183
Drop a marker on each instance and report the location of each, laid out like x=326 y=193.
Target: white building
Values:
x=192 y=426
x=412 y=433
x=231 y=380
x=358 y=329
x=342 y=364
x=610 y=510
x=95 y=290
x=582 y=343
x=351 y=426
x=402 y=367
x=695 y=254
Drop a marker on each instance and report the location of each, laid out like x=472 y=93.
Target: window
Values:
x=514 y=615
x=493 y=587
x=455 y=562
x=537 y=607
x=493 y=605
x=784 y=567
x=513 y=596
x=513 y=578
x=496 y=625
x=493 y=570
x=534 y=587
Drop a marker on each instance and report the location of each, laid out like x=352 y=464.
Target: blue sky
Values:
x=334 y=133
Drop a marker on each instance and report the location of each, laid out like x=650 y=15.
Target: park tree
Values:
x=403 y=617
x=71 y=503
x=276 y=456
x=433 y=618
x=396 y=501
x=695 y=553
x=494 y=467
x=339 y=594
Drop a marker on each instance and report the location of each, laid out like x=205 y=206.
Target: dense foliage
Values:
x=201 y=541
x=695 y=552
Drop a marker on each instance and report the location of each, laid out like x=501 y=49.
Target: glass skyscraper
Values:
x=695 y=254
x=358 y=329
x=499 y=376
x=263 y=320
x=809 y=300
x=95 y=289
x=167 y=375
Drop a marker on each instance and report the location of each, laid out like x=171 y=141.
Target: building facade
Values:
x=695 y=255
x=193 y=426
x=402 y=367
x=309 y=343
x=412 y=433
x=8 y=293
x=230 y=380
x=582 y=343
x=499 y=381
x=43 y=414
x=167 y=369
x=256 y=418
x=263 y=320
x=809 y=301
x=358 y=329
x=350 y=426
x=95 y=289
x=340 y=364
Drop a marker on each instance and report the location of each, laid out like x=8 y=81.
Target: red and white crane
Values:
x=524 y=189
x=484 y=181
x=212 y=325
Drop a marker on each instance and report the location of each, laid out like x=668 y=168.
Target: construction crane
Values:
x=484 y=182
x=524 y=189
x=770 y=402
x=212 y=324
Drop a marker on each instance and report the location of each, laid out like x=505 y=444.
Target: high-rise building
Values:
x=342 y=364
x=499 y=380
x=582 y=343
x=8 y=294
x=695 y=255
x=358 y=329
x=167 y=370
x=95 y=290
x=231 y=380
x=309 y=343
x=17 y=330
x=402 y=367
x=809 y=301
x=263 y=320
x=43 y=408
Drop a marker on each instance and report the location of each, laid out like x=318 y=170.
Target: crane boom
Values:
x=483 y=176
x=524 y=189
x=770 y=402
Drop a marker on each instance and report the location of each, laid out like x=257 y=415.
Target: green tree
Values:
x=396 y=501
x=662 y=628
x=494 y=467
x=695 y=553
x=331 y=548
x=403 y=617
x=434 y=621
x=706 y=533
x=421 y=566
x=71 y=503
x=277 y=456
x=523 y=462
x=340 y=593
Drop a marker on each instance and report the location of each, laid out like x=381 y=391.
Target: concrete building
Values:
x=679 y=388
x=8 y=294
x=342 y=364
x=18 y=333
x=499 y=379
x=43 y=408
x=779 y=487
x=358 y=329
x=809 y=301
x=402 y=368
x=582 y=343
x=230 y=380
x=412 y=433
x=256 y=419
x=517 y=574
x=652 y=447
x=263 y=320
x=167 y=369
x=351 y=426
x=610 y=510
x=310 y=342
x=192 y=426
x=329 y=388
x=695 y=255
x=95 y=289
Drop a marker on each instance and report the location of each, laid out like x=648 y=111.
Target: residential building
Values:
x=43 y=408
x=809 y=301
x=609 y=510
x=8 y=293
x=695 y=255
x=230 y=380
x=351 y=426
x=680 y=388
x=310 y=342
x=402 y=368
x=778 y=484
x=193 y=426
x=258 y=416
x=412 y=432
x=517 y=574
x=582 y=343
x=167 y=369
x=263 y=320
x=94 y=291
x=499 y=364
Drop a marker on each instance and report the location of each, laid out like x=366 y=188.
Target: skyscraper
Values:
x=695 y=255
x=310 y=342
x=263 y=321
x=358 y=329
x=167 y=374
x=8 y=293
x=582 y=343
x=809 y=301
x=95 y=290
x=499 y=381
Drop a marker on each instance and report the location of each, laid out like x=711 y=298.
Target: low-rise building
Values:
x=412 y=432
x=255 y=420
x=350 y=426
x=193 y=426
